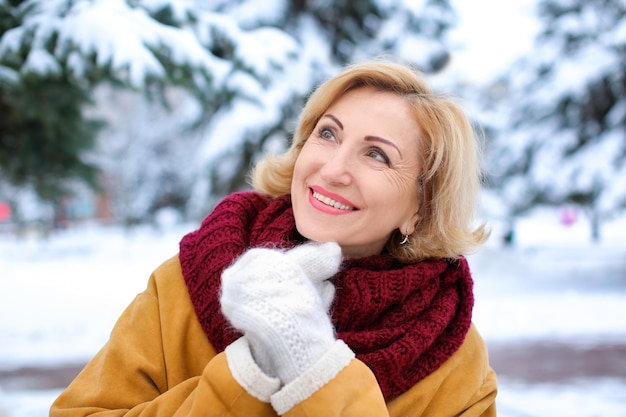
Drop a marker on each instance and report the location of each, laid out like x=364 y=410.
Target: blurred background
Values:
x=122 y=123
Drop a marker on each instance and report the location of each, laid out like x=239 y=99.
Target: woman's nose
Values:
x=337 y=169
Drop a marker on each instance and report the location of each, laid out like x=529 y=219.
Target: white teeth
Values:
x=330 y=202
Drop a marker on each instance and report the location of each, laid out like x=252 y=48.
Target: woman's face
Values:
x=355 y=180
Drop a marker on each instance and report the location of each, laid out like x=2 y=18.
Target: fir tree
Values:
x=249 y=64
x=564 y=141
x=53 y=53
x=43 y=135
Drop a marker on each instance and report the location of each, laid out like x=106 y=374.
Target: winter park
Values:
x=123 y=123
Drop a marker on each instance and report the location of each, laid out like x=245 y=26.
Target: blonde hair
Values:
x=450 y=180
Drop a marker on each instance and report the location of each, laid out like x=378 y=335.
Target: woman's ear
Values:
x=408 y=228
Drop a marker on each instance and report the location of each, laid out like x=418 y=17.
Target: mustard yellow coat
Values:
x=158 y=362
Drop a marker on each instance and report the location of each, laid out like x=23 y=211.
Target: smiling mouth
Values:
x=330 y=202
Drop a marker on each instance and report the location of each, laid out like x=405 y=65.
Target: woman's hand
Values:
x=280 y=301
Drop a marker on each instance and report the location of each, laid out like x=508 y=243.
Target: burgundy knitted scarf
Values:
x=403 y=321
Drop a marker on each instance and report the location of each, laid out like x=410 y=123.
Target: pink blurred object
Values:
x=569 y=216
x=5 y=212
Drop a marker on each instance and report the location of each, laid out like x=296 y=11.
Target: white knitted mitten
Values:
x=280 y=301
x=318 y=268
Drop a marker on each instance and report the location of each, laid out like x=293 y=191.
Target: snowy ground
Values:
x=60 y=296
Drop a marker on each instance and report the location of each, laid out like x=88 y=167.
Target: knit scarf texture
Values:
x=402 y=320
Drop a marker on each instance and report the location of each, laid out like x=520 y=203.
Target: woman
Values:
x=337 y=288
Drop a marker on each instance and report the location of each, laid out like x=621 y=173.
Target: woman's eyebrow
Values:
x=330 y=116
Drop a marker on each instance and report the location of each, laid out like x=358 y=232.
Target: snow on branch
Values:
x=127 y=41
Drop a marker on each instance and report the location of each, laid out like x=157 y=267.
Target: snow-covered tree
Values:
x=34 y=113
x=59 y=50
x=249 y=64
x=564 y=140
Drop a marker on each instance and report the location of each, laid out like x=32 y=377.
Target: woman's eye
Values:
x=326 y=134
x=378 y=155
